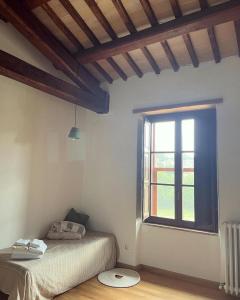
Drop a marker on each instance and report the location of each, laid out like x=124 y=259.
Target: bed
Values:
x=65 y=265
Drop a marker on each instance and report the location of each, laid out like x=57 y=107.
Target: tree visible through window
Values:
x=180 y=170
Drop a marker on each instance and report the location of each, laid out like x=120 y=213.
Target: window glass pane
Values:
x=188 y=135
x=163 y=168
x=163 y=201
x=163 y=134
x=188 y=213
x=188 y=168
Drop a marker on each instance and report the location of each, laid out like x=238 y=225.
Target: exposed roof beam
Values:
x=17 y=69
x=176 y=8
x=214 y=44
x=59 y=23
x=79 y=20
x=132 y=29
x=170 y=56
x=89 y=33
x=203 y=4
x=153 y=21
x=237 y=30
x=211 y=34
x=133 y=65
x=124 y=16
x=149 y=12
x=151 y=60
x=101 y=18
x=221 y=13
x=103 y=72
x=117 y=69
x=25 y=22
x=35 y=3
x=191 y=50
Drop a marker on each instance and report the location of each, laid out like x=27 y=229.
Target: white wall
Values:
x=40 y=169
x=110 y=170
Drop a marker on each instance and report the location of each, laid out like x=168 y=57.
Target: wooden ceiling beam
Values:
x=101 y=18
x=151 y=60
x=221 y=13
x=132 y=63
x=132 y=29
x=17 y=69
x=211 y=34
x=89 y=33
x=203 y=4
x=191 y=50
x=117 y=69
x=35 y=3
x=102 y=72
x=26 y=23
x=186 y=37
x=170 y=56
x=79 y=20
x=149 y=12
x=176 y=8
x=237 y=30
x=214 y=44
x=154 y=21
x=59 y=23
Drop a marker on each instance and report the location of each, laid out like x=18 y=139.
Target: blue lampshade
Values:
x=74 y=133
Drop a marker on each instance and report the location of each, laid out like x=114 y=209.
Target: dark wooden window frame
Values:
x=178 y=222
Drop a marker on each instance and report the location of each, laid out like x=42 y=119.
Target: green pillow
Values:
x=74 y=216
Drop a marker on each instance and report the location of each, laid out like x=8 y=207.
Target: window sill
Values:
x=181 y=229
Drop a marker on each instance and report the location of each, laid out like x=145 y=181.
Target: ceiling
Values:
x=102 y=21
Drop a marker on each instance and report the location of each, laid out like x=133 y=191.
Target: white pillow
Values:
x=65 y=230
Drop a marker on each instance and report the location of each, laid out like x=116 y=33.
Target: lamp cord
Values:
x=75 y=115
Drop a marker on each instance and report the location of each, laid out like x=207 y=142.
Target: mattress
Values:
x=64 y=265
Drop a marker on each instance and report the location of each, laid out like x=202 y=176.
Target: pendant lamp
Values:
x=74 y=133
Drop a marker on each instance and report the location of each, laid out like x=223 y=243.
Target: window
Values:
x=179 y=182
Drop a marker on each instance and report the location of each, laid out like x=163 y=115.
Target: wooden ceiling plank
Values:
x=149 y=12
x=116 y=67
x=17 y=69
x=237 y=31
x=151 y=60
x=25 y=22
x=170 y=56
x=191 y=50
x=79 y=20
x=228 y=11
x=103 y=72
x=176 y=8
x=133 y=65
x=214 y=44
x=59 y=23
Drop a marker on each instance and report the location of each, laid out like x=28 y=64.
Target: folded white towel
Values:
x=36 y=243
x=40 y=250
x=26 y=255
x=21 y=242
